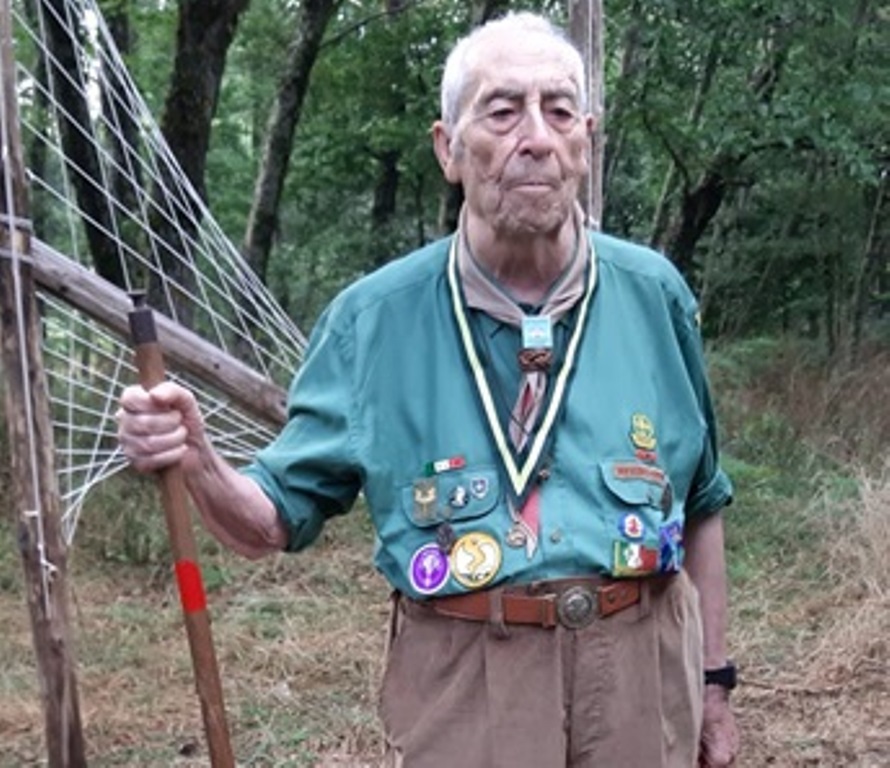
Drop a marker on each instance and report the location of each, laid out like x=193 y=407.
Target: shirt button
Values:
x=556 y=536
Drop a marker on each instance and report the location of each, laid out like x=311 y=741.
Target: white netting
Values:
x=106 y=192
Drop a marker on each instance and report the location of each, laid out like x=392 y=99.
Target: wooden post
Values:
x=34 y=491
x=586 y=31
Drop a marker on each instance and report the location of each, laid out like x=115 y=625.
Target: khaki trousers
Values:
x=623 y=692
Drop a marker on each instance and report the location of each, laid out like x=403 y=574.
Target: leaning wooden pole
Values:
x=151 y=368
x=586 y=30
x=35 y=495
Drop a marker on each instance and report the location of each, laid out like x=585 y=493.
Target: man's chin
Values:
x=534 y=220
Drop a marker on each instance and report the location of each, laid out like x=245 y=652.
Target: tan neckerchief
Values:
x=481 y=291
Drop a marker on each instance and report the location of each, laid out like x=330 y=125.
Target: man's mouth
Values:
x=532 y=184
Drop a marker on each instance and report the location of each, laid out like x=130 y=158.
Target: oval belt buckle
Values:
x=576 y=607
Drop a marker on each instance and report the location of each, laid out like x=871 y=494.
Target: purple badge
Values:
x=429 y=569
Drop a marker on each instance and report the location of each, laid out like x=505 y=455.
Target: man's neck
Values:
x=527 y=265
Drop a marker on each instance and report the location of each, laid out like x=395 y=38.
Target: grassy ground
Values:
x=299 y=639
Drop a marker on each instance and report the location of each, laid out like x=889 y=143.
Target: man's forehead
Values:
x=485 y=88
x=533 y=65
x=487 y=91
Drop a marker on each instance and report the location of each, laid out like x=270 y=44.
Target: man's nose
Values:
x=535 y=134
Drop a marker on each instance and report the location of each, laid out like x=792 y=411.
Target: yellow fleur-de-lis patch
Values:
x=642 y=432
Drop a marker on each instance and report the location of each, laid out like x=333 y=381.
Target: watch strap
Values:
x=723 y=676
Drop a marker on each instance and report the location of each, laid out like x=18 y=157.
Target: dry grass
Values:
x=816 y=690
x=299 y=641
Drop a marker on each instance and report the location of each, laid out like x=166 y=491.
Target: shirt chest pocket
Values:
x=648 y=529
x=633 y=484
x=453 y=496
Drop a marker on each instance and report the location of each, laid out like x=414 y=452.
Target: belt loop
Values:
x=496 y=613
x=549 y=618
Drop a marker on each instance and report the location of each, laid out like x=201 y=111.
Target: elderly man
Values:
x=526 y=408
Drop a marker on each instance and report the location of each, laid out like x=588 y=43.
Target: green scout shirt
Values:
x=385 y=402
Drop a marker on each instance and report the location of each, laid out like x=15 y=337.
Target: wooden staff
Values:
x=150 y=364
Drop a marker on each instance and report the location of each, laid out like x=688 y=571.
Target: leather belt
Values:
x=571 y=603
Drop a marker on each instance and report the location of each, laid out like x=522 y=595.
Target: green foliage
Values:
x=123 y=523
x=780 y=101
x=373 y=95
x=788 y=116
x=787 y=483
x=153 y=46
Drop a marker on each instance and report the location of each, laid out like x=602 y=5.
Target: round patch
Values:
x=429 y=569
x=475 y=559
x=631 y=525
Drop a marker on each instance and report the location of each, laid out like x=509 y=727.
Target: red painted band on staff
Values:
x=191 y=588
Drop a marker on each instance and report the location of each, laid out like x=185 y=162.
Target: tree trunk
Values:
x=874 y=262
x=698 y=206
x=700 y=201
x=483 y=10
x=631 y=61
x=586 y=30
x=383 y=208
x=669 y=183
x=310 y=24
x=126 y=170
x=78 y=138
x=205 y=32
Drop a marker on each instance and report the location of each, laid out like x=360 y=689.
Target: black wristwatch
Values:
x=723 y=676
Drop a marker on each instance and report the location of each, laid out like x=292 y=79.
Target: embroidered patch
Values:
x=429 y=569
x=475 y=559
x=630 y=470
x=633 y=559
x=479 y=487
x=631 y=526
x=671 y=538
x=642 y=432
x=424 y=499
x=444 y=465
x=459 y=497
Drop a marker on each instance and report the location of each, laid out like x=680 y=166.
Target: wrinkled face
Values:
x=520 y=146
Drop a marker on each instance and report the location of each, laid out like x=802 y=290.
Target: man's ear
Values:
x=443 y=147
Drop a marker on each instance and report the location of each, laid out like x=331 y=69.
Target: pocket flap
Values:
x=636 y=483
x=451 y=496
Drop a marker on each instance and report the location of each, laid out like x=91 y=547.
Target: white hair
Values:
x=515 y=25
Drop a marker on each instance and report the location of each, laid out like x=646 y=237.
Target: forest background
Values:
x=748 y=141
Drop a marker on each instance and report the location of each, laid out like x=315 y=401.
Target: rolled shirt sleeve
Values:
x=309 y=471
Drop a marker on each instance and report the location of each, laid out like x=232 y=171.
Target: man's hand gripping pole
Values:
x=150 y=365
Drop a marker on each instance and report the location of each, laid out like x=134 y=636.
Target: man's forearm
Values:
x=706 y=565
x=234 y=508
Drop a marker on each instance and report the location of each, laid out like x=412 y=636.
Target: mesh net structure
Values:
x=111 y=214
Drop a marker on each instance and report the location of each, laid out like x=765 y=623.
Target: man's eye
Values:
x=503 y=119
x=502 y=114
x=561 y=116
